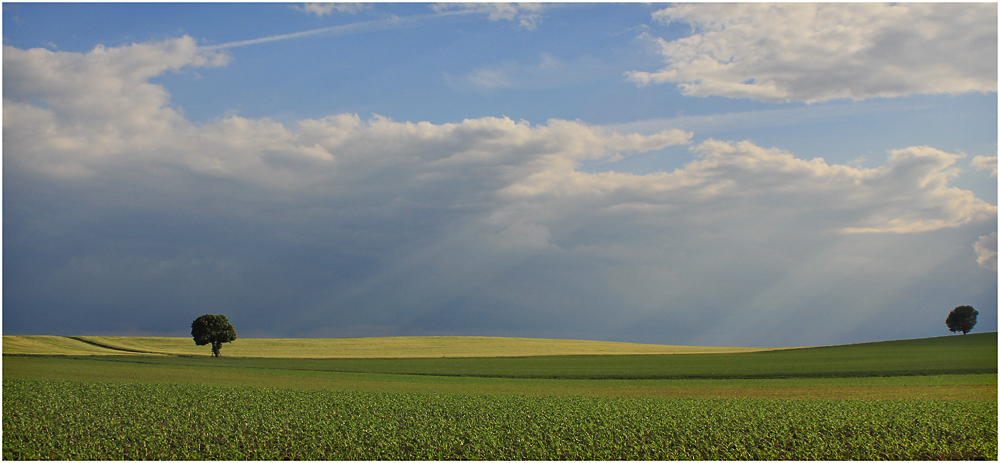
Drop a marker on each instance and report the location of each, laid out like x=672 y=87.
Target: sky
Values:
x=686 y=174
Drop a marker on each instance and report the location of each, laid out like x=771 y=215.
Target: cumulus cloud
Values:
x=817 y=52
x=986 y=251
x=986 y=163
x=95 y=105
x=909 y=194
x=482 y=226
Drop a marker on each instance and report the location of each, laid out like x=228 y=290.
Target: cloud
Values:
x=548 y=72
x=487 y=79
x=986 y=251
x=818 y=52
x=986 y=163
x=97 y=104
x=909 y=194
x=770 y=118
x=113 y=202
x=322 y=9
x=527 y=15
x=393 y=22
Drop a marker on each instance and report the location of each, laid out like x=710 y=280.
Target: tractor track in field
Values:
x=106 y=346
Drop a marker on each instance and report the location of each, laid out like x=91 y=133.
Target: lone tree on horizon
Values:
x=214 y=330
x=963 y=318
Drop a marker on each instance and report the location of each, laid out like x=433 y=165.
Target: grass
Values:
x=388 y=347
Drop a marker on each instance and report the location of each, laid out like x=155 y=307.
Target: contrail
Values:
x=394 y=22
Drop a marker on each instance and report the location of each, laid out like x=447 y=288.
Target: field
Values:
x=388 y=347
x=932 y=398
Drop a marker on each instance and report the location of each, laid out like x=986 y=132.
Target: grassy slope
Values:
x=388 y=347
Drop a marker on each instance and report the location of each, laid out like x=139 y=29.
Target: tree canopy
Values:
x=963 y=318
x=214 y=330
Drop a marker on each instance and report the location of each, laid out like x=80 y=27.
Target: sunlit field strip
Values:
x=52 y=345
x=102 y=421
x=388 y=347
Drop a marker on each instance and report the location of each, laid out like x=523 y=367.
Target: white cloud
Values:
x=986 y=251
x=986 y=163
x=548 y=72
x=482 y=226
x=322 y=9
x=530 y=15
x=910 y=193
x=84 y=112
x=527 y=15
x=488 y=79
x=96 y=105
x=817 y=52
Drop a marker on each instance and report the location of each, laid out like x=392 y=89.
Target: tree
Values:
x=214 y=330
x=963 y=318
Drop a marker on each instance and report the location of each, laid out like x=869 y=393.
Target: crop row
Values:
x=103 y=421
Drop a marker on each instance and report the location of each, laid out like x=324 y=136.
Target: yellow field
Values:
x=52 y=345
x=388 y=347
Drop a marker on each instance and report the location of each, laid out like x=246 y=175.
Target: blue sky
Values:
x=711 y=174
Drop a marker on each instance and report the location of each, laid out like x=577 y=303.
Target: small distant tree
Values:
x=963 y=318
x=214 y=330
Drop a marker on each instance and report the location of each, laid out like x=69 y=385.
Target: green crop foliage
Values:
x=111 y=421
x=138 y=369
x=594 y=407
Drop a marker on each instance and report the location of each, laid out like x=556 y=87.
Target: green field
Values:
x=930 y=398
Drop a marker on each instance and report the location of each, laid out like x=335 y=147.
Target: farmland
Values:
x=387 y=347
x=920 y=399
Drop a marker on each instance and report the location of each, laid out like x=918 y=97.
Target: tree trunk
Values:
x=215 y=349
